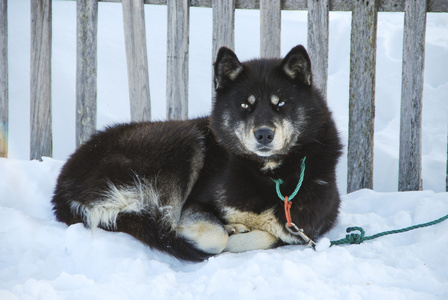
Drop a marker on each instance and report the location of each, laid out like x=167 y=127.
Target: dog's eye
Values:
x=279 y=105
x=244 y=105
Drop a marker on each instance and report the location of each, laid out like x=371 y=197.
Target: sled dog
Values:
x=199 y=187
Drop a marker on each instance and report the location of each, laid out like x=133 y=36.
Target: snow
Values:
x=41 y=258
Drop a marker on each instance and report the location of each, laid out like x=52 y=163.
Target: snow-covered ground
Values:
x=43 y=259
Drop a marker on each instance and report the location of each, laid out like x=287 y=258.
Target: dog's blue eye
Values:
x=280 y=104
x=245 y=105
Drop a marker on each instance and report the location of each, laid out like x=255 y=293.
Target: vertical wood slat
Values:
x=270 y=28
x=137 y=59
x=177 y=59
x=4 y=111
x=410 y=160
x=223 y=29
x=40 y=77
x=86 y=69
x=223 y=25
x=362 y=95
x=318 y=14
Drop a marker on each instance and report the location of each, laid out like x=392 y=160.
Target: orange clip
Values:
x=288 y=211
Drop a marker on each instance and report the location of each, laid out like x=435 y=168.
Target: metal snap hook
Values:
x=299 y=232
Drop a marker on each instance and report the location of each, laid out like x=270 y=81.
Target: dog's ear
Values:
x=227 y=67
x=297 y=65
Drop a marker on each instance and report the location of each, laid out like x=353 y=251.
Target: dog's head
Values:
x=265 y=107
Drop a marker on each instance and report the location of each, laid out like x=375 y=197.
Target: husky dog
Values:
x=199 y=187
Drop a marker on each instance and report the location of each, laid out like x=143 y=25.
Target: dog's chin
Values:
x=261 y=152
x=264 y=152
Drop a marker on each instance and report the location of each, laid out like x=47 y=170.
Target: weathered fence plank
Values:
x=362 y=95
x=270 y=28
x=177 y=60
x=410 y=160
x=223 y=25
x=318 y=13
x=137 y=59
x=86 y=69
x=40 y=77
x=223 y=29
x=4 y=111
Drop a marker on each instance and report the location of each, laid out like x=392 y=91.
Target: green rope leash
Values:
x=290 y=226
x=279 y=181
x=355 y=238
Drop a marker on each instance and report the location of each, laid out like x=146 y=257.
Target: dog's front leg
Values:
x=252 y=240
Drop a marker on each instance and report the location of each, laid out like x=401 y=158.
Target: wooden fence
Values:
x=362 y=68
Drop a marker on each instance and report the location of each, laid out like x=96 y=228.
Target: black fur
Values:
x=204 y=164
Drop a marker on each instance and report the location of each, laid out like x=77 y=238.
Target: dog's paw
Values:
x=236 y=229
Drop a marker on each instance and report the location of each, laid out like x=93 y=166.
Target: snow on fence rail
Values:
x=362 y=68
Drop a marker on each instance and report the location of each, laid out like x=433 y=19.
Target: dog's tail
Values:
x=136 y=210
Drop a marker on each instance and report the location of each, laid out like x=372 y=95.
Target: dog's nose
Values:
x=264 y=135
